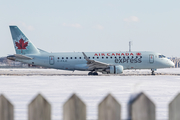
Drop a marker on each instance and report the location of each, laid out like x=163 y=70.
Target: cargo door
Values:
x=151 y=58
x=51 y=60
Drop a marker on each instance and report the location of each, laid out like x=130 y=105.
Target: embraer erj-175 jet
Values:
x=105 y=62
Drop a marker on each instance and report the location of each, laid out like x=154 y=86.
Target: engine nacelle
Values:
x=118 y=69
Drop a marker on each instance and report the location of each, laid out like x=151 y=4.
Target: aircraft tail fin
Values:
x=21 y=43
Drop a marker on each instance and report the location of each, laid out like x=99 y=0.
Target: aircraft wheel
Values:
x=90 y=73
x=95 y=73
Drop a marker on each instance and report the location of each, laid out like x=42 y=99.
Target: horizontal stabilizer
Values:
x=18 y=56
x=42 y=51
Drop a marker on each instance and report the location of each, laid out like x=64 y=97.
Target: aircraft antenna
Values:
x=130 y=44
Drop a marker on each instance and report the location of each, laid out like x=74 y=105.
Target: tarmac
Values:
x=54 y=72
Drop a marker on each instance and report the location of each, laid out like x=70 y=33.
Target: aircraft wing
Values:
x=92 y=64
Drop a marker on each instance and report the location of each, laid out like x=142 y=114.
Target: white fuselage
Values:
x=76 y=61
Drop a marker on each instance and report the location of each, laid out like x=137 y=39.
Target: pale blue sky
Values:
x=91 y=25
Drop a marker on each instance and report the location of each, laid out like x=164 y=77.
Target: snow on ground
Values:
x=63 y=72
x=20 y=90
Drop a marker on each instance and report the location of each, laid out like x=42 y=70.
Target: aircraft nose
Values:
x=171 y=63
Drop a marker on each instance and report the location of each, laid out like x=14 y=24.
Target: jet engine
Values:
x=118 y=69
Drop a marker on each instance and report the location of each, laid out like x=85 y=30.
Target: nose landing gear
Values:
x=152 y=71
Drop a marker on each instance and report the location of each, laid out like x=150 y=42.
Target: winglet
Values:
x=87 y=59
x=85 y=56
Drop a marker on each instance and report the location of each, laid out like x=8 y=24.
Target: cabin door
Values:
x=51 y=60
x=151 y=58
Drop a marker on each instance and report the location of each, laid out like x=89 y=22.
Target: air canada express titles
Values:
x=116 y=54
x=128 y=60
x=123 y=59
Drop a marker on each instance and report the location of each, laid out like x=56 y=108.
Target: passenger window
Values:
x=106 y=57
x=114 y=57
x=97 y=57
x=58 y=57
x=136 y=56
x=132 y=56
x=75 y=57
x=111 y=57
x=119 y=57
x=66 y=57
x=140 y=56
x=89 y=57
x=102 y=57
x=71 y=57
x=79 y=57
x=124 y=57
x=93 y=57
x=62 y=57
x=128 y=57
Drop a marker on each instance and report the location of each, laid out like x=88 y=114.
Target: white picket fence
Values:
x=140 y=107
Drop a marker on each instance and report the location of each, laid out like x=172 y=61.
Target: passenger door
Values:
x=151 y=58
x=51 y=60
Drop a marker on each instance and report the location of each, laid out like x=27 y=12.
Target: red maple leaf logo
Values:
x=138 y=54
x=21 y=45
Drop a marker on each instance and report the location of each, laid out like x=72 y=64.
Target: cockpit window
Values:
x=162 y=56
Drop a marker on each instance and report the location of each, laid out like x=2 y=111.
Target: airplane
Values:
x=94 y=62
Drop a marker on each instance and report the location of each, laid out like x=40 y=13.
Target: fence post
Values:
x=6 y=109
x=109 y=109
x=140 y=107
x=74 y=109
x=39 y=109
x=174 y=108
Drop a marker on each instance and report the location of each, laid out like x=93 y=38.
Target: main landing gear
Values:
x=92 y=73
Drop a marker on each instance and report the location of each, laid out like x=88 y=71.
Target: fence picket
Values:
x=6 y=109
x=74 y=109
x=109 y=109
x=141 y=108
x=39 y=109
x=174 y=108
